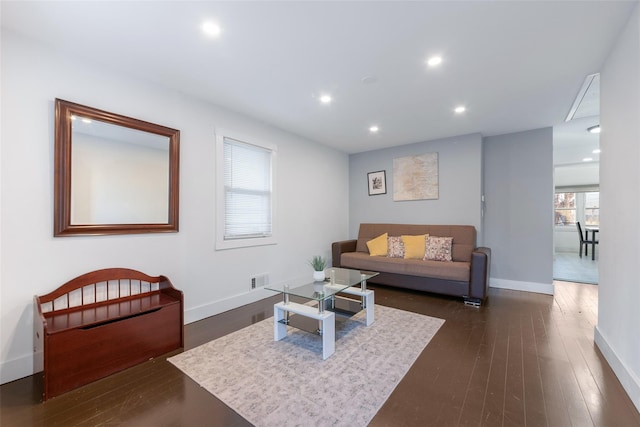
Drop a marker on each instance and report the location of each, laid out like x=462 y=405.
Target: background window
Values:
x=565 y=208
x=577 y=206
x=592 y=208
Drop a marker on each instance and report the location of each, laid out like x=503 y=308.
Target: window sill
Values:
x=244 y=243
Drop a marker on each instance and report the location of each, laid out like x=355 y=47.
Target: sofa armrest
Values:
x=338 y=248
x=479 y=283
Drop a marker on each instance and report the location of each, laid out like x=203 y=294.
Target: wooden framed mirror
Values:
x=113 y=174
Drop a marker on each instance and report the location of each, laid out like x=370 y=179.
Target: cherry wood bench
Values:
x=104 y=322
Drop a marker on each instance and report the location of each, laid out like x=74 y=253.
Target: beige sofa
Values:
x=466 y=275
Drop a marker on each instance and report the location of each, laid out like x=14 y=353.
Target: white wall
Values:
x=581 y=174
x=310 y=181
x=460 y=185
x=617 y=333
x=518 y=181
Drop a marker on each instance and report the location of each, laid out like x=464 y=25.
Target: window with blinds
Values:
x=246 y=199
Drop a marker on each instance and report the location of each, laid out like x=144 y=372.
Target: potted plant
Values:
x=318 y=263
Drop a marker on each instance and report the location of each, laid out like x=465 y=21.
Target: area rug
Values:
x=286 y=383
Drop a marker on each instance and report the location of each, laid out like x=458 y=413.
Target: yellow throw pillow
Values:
x=414 y=246
x=378 y=246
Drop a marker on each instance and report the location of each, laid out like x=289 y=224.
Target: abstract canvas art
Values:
x=415 y=177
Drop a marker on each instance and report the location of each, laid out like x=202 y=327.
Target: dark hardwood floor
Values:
x=522 y=359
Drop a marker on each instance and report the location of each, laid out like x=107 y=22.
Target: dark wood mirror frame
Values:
x=64 y=111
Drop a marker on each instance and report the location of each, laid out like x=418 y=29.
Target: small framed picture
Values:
x=377 y=183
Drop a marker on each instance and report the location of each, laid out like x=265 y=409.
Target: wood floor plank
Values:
x=459 y=376
x=610 y=388
x=514 y=411
x=476 y=390
x=534 y=398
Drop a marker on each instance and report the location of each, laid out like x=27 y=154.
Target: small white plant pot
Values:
x=318 y=276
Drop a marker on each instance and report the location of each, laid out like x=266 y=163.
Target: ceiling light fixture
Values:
x=325 y=99
x=374 y=129
x=594 y=129
x=211 y=29
x=459 y=110
x=434 y=61
x=596 y=151
x=587 y=159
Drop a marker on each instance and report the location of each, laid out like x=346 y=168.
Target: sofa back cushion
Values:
x=464 y=236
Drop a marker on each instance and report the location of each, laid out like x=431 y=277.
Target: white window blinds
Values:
x=247 y=191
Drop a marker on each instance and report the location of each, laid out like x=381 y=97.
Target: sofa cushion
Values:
x=464 y=236
x=414 y=246
x=438 y=248
x=458 y=271
x=395 y=247
x=378 y=246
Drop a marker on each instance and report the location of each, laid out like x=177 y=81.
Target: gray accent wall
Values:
x=518 y=221
x=460 y=185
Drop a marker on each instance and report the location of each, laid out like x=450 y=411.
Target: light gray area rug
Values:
x=286 y=383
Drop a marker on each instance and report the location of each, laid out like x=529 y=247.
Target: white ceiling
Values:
x=573 y=143
x=514 y=65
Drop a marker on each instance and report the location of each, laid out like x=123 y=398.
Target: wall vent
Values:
x=259 y=280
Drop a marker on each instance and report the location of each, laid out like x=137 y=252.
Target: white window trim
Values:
x=221 y=243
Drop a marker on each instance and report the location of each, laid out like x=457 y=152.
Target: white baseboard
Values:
x=516 y=285
x=210 y=309
x=15 y=369
x=629 y=381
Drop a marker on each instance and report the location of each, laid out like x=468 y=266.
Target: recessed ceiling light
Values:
x=434 y=61
x=587 y=159
x=374 y=129
x=596 y=151
x=460 y=109
x=594 y=129
x=211 y=29
x=85 y=120
x=325 y=99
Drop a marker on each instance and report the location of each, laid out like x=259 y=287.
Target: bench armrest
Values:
x=338 y=248
x=479 y=281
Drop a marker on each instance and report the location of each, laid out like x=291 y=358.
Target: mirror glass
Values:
x=114 y=174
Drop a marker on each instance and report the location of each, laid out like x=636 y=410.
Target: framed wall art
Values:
x=377 y=183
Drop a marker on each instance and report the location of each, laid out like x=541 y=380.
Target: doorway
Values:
x=573 y=262
x=576 y=158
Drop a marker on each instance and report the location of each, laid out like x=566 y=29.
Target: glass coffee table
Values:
x=325 y=294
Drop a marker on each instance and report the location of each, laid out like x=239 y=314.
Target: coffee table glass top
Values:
x=342 y=278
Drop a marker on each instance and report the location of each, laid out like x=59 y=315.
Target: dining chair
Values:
x=585 y=241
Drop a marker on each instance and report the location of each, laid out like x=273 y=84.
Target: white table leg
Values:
x=328 y=336
x=279 y=328
x=369 y=305
x=327 y=324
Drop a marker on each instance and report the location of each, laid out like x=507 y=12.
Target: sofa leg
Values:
x=473 y=302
